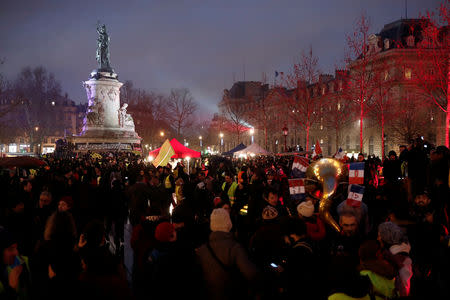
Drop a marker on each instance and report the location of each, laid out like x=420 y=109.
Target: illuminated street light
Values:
x=188 y=158
x=285 y=133
x=221 y=141
x=252 y=132
x=36 y=128
x=161 y=133
x=53 y=103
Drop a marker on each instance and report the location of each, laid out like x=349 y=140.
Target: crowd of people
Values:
x=224 y=229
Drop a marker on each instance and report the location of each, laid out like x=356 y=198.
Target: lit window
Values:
x=321 y=127
x=321 y=141
x=323 y=91
x=339 y=106
x=386 y=75
x=408 y=73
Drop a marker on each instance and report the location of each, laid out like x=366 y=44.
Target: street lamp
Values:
x=31 y=143
x=285 y=133
x=221 y=141
x=252 y=132
x=188 y=158
x=161 y=133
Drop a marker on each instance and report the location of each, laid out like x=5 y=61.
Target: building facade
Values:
x=395 y=111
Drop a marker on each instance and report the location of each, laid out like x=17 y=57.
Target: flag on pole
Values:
x=297 y=188
x=356 y=173
x=339 y=154
x=164 y=155
x=299 y=167
x=317 y=150
x=355 y=195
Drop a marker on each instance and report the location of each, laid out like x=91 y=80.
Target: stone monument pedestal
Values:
x=106 y=126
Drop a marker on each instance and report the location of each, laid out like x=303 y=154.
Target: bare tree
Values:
x=303 y=105
x=148 y=111
x=180 y=109
x=410 y=122
x=381 y=105
x=236 y=114
x=361 y=75
x=35 y=90
x=337 y=112
x=261 y=109
x=431 y=73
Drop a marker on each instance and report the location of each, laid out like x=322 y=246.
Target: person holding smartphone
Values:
x=14 y=269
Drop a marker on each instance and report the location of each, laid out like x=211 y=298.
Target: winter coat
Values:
x=267 y=243
x=398 y=255
x=301 y=268
x=315 y=228
x=221 y=282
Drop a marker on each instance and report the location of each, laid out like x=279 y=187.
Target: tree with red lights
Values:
x=362 y=75
x=381 y=106
x=431 y=72
x=300 y=93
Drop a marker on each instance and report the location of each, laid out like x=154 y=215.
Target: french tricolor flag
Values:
x=299 y=167
x=355 y=195
x=297 y=188
x=356 y=173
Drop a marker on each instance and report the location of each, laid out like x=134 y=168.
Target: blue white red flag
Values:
x=356 y=173
x=297 y=188
x=299 y=167
x=317 y=150
x=339 y=154
x=355 y=195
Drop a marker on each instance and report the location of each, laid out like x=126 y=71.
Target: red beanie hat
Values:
x=164 y=232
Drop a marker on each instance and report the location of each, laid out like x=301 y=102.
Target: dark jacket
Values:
x=222 y=283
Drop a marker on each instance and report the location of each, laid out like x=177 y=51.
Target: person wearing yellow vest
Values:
x=229 y=187
x=15 y=279
x=380 y=272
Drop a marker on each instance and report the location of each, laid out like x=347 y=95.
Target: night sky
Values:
x=163 y=44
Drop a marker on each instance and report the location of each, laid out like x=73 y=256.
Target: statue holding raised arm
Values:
x=102 y=54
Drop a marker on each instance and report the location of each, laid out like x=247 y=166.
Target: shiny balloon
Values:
x=326 y=171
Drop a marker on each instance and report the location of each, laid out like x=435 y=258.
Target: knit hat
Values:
x=220 y=220
x=269 y=213
x=306 y=209
x=164 y=232
x=391 y=233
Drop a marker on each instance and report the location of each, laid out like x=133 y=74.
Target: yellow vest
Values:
x=231 y=191
x=342 y=296
x=382 y=286
x=167 y=183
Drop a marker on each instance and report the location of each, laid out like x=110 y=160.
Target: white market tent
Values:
x=253 y=149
